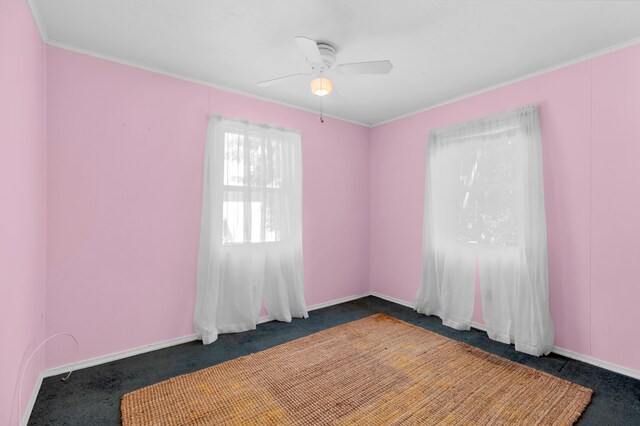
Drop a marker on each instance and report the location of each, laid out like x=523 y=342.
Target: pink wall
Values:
x=124 y=193
x=615 y=207
x=124 y=188
x=22 y=209
x=591 y=132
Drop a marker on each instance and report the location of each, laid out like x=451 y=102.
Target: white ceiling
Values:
x=440 y=49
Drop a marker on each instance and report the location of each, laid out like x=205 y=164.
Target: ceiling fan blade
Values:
x=374 y=67
x=309 y=48
x=271 y=82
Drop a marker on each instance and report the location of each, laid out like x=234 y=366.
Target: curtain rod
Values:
x=474 y=135
x=251 y=123
x=475 y=127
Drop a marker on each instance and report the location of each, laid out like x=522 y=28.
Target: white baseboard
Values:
x=597 y=362
x=92 y=362
x=392 y=299
x=560 y=351
x=338 y=301
x=32 y=401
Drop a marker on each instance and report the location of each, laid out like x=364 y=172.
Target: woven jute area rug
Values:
x=374 y=371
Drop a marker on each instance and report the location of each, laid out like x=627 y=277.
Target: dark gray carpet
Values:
x=92 y=396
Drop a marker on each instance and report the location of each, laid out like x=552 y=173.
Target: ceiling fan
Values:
x=322 y=59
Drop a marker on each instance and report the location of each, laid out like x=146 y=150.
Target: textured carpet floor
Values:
x=92 y=395
x=373 y=371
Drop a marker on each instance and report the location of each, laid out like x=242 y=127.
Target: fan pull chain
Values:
x=321 y=81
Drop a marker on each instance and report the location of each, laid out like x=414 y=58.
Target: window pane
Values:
x=257 y=222
x=234 y=159
x=488 y=217
x=274 y=156
x=233 y=217
x=257 y=167
x=488 y=161
x=264 y=226
x=272 y=225
x=468 y=226
x=499 y=165
x=487 y=200
x=252 y=164
x=498 y=217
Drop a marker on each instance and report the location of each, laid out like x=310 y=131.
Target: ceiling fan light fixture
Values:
x=321 y=86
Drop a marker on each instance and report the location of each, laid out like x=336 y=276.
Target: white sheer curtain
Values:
x=251 y=228
x=484 y=212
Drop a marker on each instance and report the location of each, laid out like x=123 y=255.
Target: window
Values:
x=253 y=187
x=489 y=189
x=477 y=189
x=484 y=219
x=250 y=253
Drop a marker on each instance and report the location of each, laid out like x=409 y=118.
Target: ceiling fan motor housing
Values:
x=328 y=53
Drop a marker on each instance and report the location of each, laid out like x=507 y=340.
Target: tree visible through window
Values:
x=489 y=179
